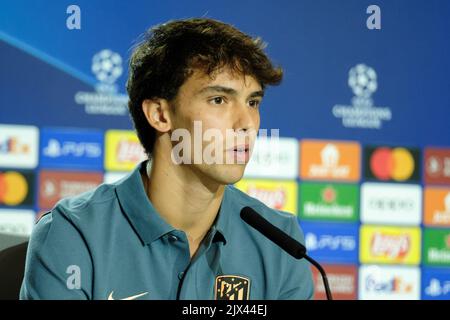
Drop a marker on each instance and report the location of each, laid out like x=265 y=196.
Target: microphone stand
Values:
x=323 y=274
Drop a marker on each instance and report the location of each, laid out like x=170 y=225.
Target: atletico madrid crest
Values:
x=229 y=287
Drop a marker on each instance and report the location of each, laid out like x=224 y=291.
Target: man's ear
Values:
x=157 y=113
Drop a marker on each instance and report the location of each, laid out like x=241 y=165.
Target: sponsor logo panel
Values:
x=436 y=247
x=333 y=243
x=437 y=166
x=19 y=146
x=17 y=188
x=278 y=195
x=329 y=160
x=435 y=283
x=16 y=222
x=390 y=245
x=437 y=207
x=71 y=148
x=274 y=158
x=327 y=201
x=396 y=164
x=390 y=203
x=343 y=281
x=123 y=150
x=55 y=185
x=389 y=283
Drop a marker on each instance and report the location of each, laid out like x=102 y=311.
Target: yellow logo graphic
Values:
x=13 y=188
x=122 y=150
x=390 y=245
x=279 y=195
x=230 y=287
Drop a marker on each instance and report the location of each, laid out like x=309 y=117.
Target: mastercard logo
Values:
x=392 y=164
x=13 y=188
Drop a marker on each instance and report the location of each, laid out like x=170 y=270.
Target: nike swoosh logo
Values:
x=110 y=297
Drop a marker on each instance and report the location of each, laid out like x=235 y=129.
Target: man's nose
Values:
x=244 y=121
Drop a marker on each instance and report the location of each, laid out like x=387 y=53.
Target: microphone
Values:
x=283 y=240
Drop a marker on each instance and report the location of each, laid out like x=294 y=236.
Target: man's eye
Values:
x=254 y=103
x=217 y=100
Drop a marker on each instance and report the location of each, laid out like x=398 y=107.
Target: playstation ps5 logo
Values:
x=107 y=68
x=362 y=79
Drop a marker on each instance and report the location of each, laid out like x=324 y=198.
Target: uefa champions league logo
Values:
x=107 y=68
x=362 y=79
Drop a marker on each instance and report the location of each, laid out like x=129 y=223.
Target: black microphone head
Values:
x=248 y=214
x=278 y=236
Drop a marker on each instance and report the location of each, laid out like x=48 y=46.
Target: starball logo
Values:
x=107 y=68
x=363 y=81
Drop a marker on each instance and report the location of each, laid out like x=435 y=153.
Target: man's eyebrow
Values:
x=259 y=93
x=229 y=91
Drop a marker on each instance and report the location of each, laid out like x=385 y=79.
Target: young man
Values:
x=172 y=229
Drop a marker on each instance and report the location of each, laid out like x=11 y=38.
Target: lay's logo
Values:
x=274 y=198
x=128 y=151
x=390 y=245
x=278 y=195
x=123 y=150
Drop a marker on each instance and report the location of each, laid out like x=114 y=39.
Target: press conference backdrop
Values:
x=363 y=113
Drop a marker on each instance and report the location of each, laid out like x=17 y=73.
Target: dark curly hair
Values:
x=170 y=52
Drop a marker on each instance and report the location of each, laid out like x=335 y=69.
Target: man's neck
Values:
x=183 y=199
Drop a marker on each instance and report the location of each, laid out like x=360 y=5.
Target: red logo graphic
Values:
x=342 y=279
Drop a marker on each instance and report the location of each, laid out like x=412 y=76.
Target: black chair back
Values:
x=12 y=267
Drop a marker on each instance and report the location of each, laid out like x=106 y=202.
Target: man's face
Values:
x=226 y=109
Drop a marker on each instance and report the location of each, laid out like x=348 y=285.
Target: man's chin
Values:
x=225 y=174
x=234 y=175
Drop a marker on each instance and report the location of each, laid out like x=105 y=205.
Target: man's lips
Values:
x=240 y=148
x=240 y=154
